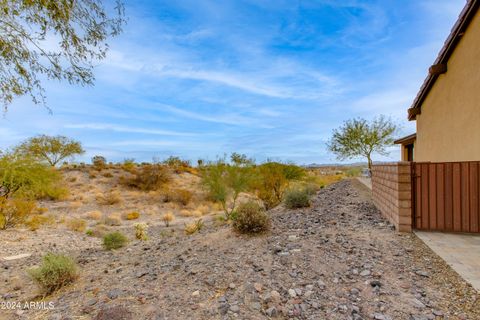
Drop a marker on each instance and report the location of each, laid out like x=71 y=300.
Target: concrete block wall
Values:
x=392 y=193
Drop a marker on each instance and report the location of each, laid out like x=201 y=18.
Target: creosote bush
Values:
x=99 y=162
x=181 y=196
x=250 y=217
x=297 y=198
x=55 y=272
x=148 y=177
x=114 y=240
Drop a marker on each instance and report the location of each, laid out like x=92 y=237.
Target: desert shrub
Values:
x=108 y=198
x=107 y=175
x=312 y=188
x=134 y=215
x=114 y=240
x=22 y=180
x=129 y=165
x=93 y=215
x=99 y=162
x=181 y=196
x=113 y=220
x=14 y=211
x=92 y=175
x=224 y=183
x=149 y=177
x=76 y=224
x=141 y=231
x=193 y=227
x=55 y=272
x=38 y=220
x=167 y=218
x=90 y=232
x=177 y=165
x=353 y=172
x=297 y=198
x=272 y=179
x=250 y=217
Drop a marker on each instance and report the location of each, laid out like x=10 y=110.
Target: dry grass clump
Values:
x=75 y=205
x=113 y=220
x=190 y=213
x=99 y=230
x=38 y=220
x=167 y=218
x=204 y=209
x=55 y=272
x=193 y=227
x=76 y=224
x=134 y=215
x=108 y=175
x=108 y=198
x=250 y=217
x=93 y=215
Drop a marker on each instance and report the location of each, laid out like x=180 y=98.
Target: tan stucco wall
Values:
x=449 y=127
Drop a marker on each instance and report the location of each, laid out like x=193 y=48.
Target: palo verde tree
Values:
x=225 y=181
x=53 y=39
x=22 y=179
x=51 y=149
x=358 y=137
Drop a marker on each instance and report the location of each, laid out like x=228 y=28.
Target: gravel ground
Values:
x=338 y=259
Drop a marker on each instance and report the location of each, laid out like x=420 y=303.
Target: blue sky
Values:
x=269 y=78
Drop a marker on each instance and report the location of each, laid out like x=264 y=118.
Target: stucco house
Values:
x=447 y=107
x=436 y=186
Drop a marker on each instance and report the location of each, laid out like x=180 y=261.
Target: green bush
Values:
x=22 y=180
x=297 y=198
x=55 y=272
x=114 y=240
x=224 y=182
x=250 y=217
x=273 y=178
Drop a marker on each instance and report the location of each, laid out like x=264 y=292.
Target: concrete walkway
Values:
x=460 y=251
x=366 y=181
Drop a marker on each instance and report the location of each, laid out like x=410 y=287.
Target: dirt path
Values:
x=336 y=260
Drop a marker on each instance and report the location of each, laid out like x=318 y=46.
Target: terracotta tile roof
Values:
x=440 y=65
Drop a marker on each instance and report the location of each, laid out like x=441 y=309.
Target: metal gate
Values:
x=446 y=196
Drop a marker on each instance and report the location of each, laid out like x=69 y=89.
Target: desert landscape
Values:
x=333 y=257
x=201 y=159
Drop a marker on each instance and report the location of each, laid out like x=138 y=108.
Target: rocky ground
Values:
x=336 y=260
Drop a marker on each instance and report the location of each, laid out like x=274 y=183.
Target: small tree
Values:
x=51 y=149
x=272 y=179
x=79 y=30
x=22 y=179
x=358 y=137
x=224 y=183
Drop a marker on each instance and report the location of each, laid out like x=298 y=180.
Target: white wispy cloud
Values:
x=126 y=129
